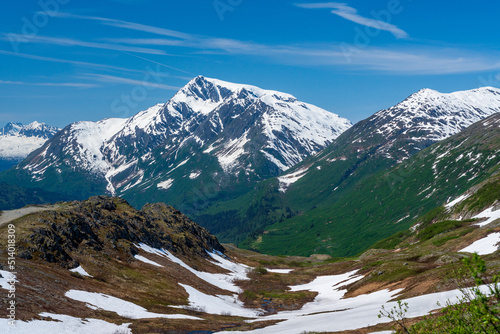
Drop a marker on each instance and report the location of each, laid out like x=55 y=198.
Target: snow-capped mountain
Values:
x=429 y=116
x=17 y=141
x=396 y=133
x=211 y=133
x=344 y=191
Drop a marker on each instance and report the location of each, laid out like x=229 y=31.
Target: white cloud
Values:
x=351 y=14
x=128 y=25
x=66 y=61
x=75 y=42
x=411 y=60
x=52 y=84
x=120 y=80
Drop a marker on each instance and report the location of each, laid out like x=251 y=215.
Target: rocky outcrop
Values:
x=110 y=225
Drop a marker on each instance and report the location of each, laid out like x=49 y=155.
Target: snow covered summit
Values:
x=209 y=131
x=428 y=116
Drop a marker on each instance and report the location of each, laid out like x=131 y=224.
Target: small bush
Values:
x=260 y=270
x=437 y=228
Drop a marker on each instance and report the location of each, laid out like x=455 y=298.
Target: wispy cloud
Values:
x=120 y=80
x=75 y=42
x=177 y=38
x=351 y=14
x=99 y=66
x=128 y=25
x=415 y=60
x=161 y=64
x=51 y=84
x=66 y=61
x=429 y=61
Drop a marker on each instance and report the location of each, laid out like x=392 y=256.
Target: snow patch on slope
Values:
x=90 y=138
x=490 y=214
x=121 y=307
x=456 y=201
x=80 y=271
x=237 y=271
x=7 y=277
x=231 y=151
x=165 y=185
x=65 y=324
x=194 y=175
x=286 y=180
x=349 y=313
x=146 y=260
x=484 y=246
x=219 y=304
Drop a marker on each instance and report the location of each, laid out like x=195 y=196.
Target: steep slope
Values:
x=332 y=179
x=17 y=141
x=214 y=138
x=389 y=201
x=476 y=210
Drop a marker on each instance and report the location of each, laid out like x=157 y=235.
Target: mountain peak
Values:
x=472 y=94
x=429 y=116
x=235 y=88
x=34 y=129
x=243 y=133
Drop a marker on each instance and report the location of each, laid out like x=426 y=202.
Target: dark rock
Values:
x=25 y=255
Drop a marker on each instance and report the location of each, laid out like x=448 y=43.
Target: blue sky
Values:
x=64 y=60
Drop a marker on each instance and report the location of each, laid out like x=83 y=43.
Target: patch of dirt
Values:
x=10 y=215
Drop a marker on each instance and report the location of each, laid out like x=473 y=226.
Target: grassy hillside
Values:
x=343 y=219
x=13 y=197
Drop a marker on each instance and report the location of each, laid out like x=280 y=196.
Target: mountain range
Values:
x=256 y=166
x=212 y=140
x=358 y=215
x=17 y=141
x=321 y=197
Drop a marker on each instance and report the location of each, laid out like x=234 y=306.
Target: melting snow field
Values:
x=485 y=245
x=237 y=271
x=165 y=185
x=119 y=306
x=289 y=179
x=490 y=214
x=63 y=324
x=329 y=312
x=220 y=304
x=146 y=260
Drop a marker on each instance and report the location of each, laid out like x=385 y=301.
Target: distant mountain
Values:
x=17 y=141
x=328 y=188
x=212 y=140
